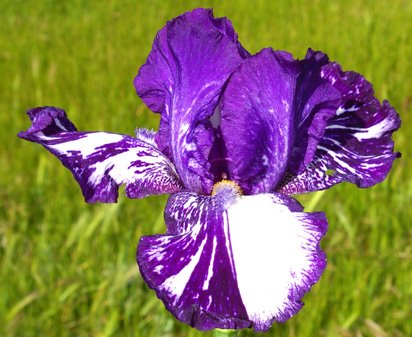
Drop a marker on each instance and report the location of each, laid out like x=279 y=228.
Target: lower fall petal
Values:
x=232 y=261
x=191 y=268
x=277 y=256
x=102 y=161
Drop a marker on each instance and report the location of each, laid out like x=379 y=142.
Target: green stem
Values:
x=224 y=333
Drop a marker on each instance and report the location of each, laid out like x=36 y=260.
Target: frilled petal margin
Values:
x=357 y=144
x=190 y=61
x=100 y=161
x=232 y=262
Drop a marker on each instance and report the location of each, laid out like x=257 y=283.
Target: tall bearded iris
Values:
x=238 y=134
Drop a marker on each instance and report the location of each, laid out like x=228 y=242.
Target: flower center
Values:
x=225 y=186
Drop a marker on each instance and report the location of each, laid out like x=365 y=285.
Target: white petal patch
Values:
x=102 y=161
x=275 y=252
x=119 y=166
x=78 y=144
x=177 y=283
x=232 y=261
x=376 y=130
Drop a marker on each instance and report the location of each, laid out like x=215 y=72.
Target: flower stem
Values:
x=224 y=333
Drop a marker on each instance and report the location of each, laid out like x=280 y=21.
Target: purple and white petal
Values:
x=191 y=267
x=276 y=254
x=357 y=144
x=101 y=161
x=147 y=136
x=190 y=61
x=230 y=261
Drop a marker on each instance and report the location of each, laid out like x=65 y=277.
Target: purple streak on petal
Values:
x=231 y=261
x=315 y=102
x=357 y=145
x=258 y=120
x=100 y=161
x=191 y=267
x=191 y=59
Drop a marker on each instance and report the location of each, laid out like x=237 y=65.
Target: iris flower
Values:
x=239 y=134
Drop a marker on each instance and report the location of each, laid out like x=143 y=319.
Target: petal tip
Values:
x=47 y=119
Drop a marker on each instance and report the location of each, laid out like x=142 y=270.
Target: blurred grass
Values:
x=68 y=268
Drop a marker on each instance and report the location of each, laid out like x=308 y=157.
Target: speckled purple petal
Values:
x=231 y=262
x=274 y=112
x=357 y=145
x=258 y=120
x=101 y=161
x=315 y=102
x=190 y=61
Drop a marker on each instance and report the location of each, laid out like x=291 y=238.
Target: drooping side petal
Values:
x=274 y=112
x=234 y=262
x=191 y=59
x=357 y=144
x=101 y=161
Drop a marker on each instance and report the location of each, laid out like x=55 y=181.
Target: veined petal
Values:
x=191 y=268
x=315 y=102
x=258 y=120
x=101 y=161
x=230 y=261
x=190 y=61
x=357 y=144
x=274 y=113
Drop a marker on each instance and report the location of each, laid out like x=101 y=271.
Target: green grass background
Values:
x=68 y=268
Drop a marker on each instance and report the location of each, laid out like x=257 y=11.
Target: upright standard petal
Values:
x=191 y=59
x=357 y=144
x=231 y=262
x=100 y=161
x=258 y=120
x=274 y=112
